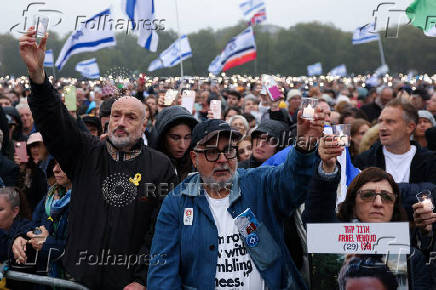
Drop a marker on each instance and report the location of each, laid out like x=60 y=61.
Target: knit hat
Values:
x=427 y=115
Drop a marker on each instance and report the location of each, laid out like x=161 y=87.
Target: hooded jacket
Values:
x=166 y=119
x=115 y=196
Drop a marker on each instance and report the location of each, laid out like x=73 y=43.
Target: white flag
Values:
x=340 y=71
x=365 y=34
x=314 y=69
x=179 y=50
x=140 y=12
x=49 y=59
x=88 y=68
x=89 y=37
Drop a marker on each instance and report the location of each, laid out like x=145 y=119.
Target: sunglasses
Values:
x=370 y=195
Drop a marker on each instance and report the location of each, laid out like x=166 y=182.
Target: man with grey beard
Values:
x=116 y=183
x=223 y=226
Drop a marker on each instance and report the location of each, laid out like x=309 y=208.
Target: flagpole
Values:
x=382 y=54
x=54 y=73
x=180 y=43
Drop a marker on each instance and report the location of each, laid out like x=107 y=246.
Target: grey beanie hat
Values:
x=427 y=115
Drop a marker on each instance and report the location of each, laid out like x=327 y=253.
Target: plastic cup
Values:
x=342 y=134
x=308 y=106
x=425 y=197
x=40 y=22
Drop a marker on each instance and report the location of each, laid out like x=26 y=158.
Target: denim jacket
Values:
x=185 y=256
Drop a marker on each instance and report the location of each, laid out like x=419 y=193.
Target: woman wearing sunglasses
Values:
x=372 y=197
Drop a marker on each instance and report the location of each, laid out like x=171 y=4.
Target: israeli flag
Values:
x=348 y=173
x=88 y=68
x=365 y=34
x=382 y=70
x=140 y=11
x=216 y=66
x=87 y=38
x=339 y=71
x=251 y=7
x=314 y=69
x=178 y=51
x=155 y=65
x=49 y=59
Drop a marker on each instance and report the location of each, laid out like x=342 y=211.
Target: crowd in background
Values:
x=384 y=118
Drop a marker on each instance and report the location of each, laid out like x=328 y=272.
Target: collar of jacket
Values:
x=118 y=155
x=192 y=187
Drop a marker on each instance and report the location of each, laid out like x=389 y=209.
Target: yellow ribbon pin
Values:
x=50 y=219
x=136 y=180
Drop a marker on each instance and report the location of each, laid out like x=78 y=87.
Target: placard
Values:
x=358 y=238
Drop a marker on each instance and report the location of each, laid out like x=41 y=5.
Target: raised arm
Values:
x=58 y=128
x=287 y=184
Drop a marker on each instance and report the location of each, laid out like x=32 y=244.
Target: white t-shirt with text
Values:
x=235 y=268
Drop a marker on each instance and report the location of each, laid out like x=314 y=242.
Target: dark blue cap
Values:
x=204 y=131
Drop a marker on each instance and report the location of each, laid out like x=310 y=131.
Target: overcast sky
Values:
x=198 y=14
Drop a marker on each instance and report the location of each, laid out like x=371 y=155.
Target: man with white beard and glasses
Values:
x=116 y=182
x=223 y=226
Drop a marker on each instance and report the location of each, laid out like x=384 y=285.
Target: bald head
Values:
x=132 y=103
x=127 y=122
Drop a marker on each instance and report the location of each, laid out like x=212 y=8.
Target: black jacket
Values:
x=249 y=163
x=422 y=168
x=8 y=171
x=114 y=203
x=372 y=111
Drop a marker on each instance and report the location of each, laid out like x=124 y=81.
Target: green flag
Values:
x=422 y=14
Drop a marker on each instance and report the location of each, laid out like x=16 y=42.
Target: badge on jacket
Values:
x=188 y=216
x=247 y=225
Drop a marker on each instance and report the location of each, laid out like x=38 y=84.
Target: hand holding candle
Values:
x=308 y=106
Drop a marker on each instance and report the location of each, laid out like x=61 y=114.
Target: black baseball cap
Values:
x=206 y=130
x=272 y=128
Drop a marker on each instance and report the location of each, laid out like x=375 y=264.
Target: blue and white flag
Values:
x=339 y=71
x=348 y=173
x=314 y=69
x=88 y=68
x=49 y=59
x=251 y=7
x=89 y=37
x=139 y=12
x=381 y=70
x=155 y=65
x=179 y=50
x=215 y=66
x=365 y=34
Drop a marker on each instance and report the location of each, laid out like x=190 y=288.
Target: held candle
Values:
x=308 y=112
x=427 y=204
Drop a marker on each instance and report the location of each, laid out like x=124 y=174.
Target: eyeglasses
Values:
x=213 y=154
x=370 y=195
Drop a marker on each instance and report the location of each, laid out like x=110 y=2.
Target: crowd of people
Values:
x=129 y=191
